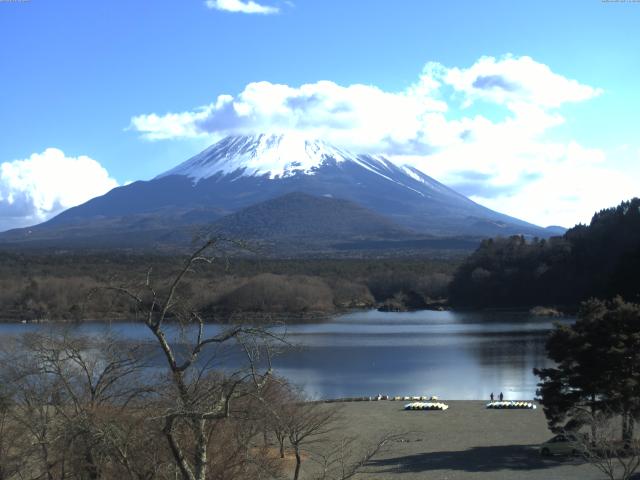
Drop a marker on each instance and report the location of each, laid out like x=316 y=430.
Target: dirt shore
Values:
x=467 y=441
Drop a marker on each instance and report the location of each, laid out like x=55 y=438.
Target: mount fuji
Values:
x=283 y=188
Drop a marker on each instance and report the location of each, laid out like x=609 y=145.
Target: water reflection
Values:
x=451 y=354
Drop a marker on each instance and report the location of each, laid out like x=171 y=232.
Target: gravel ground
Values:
x=466 y=442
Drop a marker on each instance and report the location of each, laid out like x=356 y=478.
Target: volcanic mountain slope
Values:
x=241 y=171
x=302 y=216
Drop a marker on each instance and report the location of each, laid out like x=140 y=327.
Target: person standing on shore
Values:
x=491 y=396
x=501 y=396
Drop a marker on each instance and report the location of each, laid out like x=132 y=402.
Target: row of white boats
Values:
x=508 y=404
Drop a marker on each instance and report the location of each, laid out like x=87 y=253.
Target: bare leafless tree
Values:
x=34 y=399
x=133 y=445
x=12 y=438
x=342 y=461
x=196 y=401
x=66 y=390
x=605 y=449
x=278 y=402
x=307 y=423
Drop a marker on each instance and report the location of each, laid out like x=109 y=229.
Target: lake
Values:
x=455 y=355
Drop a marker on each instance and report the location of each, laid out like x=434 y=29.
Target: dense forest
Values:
x=597 y=260
x=72 y=286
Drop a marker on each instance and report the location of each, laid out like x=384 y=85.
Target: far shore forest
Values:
x=597 y=260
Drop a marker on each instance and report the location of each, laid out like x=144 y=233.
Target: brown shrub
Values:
x=280 y=293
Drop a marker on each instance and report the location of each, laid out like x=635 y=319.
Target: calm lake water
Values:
x=453 y=355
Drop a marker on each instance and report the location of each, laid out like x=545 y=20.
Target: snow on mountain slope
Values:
x=274 y=156
x=277 y=156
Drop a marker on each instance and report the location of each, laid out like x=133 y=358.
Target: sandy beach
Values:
x=465 y=442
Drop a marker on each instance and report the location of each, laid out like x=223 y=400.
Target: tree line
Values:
x=596 y=260
x=57 y=287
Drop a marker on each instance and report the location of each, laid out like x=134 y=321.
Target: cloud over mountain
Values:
x=493 y=118
x=41 y=186
x=373 y=119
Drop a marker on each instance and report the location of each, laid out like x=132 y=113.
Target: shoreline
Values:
x=417 y=398
x=291 y=318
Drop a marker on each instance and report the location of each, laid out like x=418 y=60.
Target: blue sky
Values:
x=95 y=94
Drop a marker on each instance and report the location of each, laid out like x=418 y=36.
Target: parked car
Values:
x=563 y=444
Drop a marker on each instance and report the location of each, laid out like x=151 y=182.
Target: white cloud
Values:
x=35 y=189
x=356 y=115
x=543 y=182
x=517 y=79
x=240 y=6
x=367 y=117
x=567 y=195
x=482 y=129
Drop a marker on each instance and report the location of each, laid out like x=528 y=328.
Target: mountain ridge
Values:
x=239 y=172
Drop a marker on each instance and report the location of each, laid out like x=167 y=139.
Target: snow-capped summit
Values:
x=274 y=155
x=281 y=156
